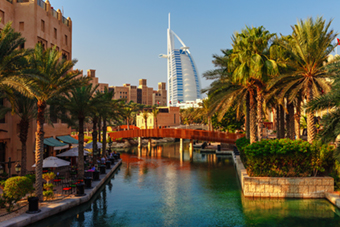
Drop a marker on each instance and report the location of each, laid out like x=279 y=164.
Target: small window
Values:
x=174 y=118
x=64 y=56
x=66 y=40
x=2 y=17
x=22 y=46
x=55 y=33
x=42 y=26
x=21 y=26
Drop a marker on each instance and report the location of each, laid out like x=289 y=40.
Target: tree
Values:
x=145 y=115
x=329 y=103
x=54 y=76
x=129 y=110
x=155 y=112
x=309 y=47
x=13 y=65
x=229 y=122
x=79 y=103
x=250 y=63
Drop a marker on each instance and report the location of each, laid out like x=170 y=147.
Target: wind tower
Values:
x=183 y=83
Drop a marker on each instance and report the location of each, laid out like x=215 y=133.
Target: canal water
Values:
x=163 y=187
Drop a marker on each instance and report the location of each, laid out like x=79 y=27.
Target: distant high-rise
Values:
x=183 y=83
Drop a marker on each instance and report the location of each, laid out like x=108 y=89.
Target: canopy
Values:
x=67 y=139
x=90 y=145
x=74 y=152
x=53 y=142
x=52 y=162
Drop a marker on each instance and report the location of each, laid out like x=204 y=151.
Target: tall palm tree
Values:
x=250 y=61
x=79 y=103
x=26 y=109
x=155 y=112
x=54 y=77
x=130 y=109
x=308 y=47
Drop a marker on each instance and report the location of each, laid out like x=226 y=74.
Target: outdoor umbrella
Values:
x=52 y=162
x=74 y=152
x=90 y=146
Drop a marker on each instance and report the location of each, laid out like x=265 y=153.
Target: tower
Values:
x=183 y=83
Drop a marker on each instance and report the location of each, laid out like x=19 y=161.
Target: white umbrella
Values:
x=90 y=146
x=52 y=162
x=74 y=152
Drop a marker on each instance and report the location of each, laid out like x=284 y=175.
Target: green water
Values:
x=163 y=187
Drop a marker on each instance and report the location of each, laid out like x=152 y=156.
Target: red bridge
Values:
x=213 y=136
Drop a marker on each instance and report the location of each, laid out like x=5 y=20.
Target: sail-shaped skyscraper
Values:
x=183 y=83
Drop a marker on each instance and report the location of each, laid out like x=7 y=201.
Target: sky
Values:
x=121 y=39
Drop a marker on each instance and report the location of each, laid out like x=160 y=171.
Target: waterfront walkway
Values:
x=60 y=206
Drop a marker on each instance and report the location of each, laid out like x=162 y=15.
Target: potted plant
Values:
x=48 y=177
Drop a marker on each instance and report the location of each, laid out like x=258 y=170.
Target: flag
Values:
x=170 y=102
x=158 y=102
x=338 y=41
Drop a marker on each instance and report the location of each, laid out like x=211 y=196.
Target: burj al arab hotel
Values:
x=183 y=83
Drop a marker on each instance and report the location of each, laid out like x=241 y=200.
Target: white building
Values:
x=183 y=83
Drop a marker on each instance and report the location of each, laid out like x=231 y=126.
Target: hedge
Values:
x=282 y=158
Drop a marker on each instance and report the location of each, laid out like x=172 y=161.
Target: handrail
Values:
x=215 y=136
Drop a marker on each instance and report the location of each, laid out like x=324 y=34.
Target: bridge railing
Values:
x=179 y=133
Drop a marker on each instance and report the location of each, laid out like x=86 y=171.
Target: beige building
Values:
x=166 y=118
x=95 y=80
x=141 y=94
x=38 y=22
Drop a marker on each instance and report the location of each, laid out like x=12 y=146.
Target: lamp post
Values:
x=9 y=165
x=17 y=168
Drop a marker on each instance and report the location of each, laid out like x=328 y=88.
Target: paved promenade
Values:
x=55 y=208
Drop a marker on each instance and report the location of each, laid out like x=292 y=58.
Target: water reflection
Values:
x=162 y=186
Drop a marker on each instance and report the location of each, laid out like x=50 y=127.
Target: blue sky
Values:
x=121 y=39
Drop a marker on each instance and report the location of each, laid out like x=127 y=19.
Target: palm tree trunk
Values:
x=287 y=126
x=127 y=123
x=94 y=139
x=297 y=117
x=311 y=130
x=291 y=124
x=100 y=129
x=39 y=149
x=81 y=149
x=252 y=122
x=282 y=122
x=24 y=125
x=259 y=113
x=278 y=129
x=104 y=136
x=247 y=117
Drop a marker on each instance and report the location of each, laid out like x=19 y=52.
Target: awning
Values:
x=68 y=139
x=54 y=143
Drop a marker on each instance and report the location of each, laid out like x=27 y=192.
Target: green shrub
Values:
x=17 y=187
x=31 y=177
x=241 y=144
x=48 y=194
x=282 y=158
x=48 y=186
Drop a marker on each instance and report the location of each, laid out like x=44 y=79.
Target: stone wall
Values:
x=284 y=187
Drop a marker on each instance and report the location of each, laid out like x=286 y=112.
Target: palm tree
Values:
x=329 y=102
x=54 y=77
x=130 y=109
x=250 y=63
x=155 y=112
x=145 y=115
x=308 y=47
x=79 y=103
x=26 y=109
x=13 y=70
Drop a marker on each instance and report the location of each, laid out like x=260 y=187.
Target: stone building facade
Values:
x=167 y=117
x=141 y=94
x=38 y=22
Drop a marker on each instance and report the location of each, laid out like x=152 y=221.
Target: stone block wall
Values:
x=283 y=187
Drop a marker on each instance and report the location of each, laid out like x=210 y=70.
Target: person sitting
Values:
x=103 y=160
